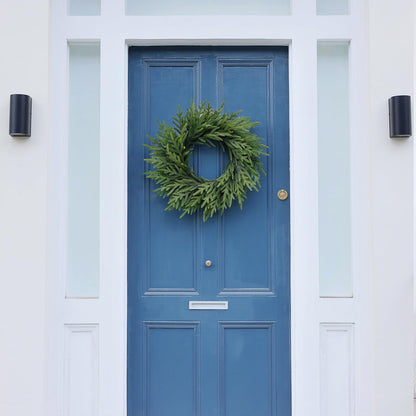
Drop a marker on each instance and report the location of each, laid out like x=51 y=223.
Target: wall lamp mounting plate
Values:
x=20 y=124
x=400 y=116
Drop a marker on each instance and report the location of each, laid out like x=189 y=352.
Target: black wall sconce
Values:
x=20 y=124
x=400 y=114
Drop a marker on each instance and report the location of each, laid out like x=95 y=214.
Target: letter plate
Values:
x=210 y=305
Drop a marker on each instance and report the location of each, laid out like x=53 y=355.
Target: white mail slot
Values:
x=208 y=305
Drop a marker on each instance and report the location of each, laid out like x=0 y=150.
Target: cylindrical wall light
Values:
x=20 y=115
x=400 y=114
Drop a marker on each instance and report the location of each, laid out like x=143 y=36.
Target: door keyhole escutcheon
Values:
x=208 y=263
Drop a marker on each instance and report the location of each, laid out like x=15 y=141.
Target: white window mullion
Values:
x=305 y=281
x=113 y=210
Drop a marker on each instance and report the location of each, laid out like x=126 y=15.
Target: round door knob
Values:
x=282 y=194
x=208 y=263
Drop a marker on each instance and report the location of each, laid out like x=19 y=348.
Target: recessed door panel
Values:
x=165 y=237
x=252 y=272
x=171 y=363
x=247 y=353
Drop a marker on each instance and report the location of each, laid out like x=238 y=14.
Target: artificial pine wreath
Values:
x=172 y=148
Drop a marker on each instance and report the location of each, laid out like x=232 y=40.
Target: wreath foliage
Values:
x=172 y=147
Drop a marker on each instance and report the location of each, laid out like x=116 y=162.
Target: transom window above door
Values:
x=208 y=7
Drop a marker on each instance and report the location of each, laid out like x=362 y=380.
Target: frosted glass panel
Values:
x=206 y=7
x=334 y=170
x=329 y=7
x=83 y=171
x=84 y=7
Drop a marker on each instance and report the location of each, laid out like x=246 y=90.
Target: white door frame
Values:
x=105 y=319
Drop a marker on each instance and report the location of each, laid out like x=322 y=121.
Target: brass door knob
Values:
x=282 y=194
x=208 y=263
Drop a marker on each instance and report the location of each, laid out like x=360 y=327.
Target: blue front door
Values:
x=224 y=362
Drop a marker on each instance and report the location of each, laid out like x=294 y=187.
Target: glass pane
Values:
x=84 y=7
x=334 y=170
x=83 y=171
x=332 y=7
x=206 y=7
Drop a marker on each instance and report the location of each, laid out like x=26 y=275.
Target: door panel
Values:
x=177 y=270
x=233 y=362
x=246 y=350
x=248 y=81
x=172 y=365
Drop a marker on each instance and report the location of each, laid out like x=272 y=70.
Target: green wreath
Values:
x=172 y=148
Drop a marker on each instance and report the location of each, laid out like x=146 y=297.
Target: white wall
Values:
x=24 y=40
x=391 y=73
x=24 y=32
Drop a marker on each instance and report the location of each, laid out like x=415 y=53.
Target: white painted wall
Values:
x=24 y=43
x=391 y=62
x=24 y=32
